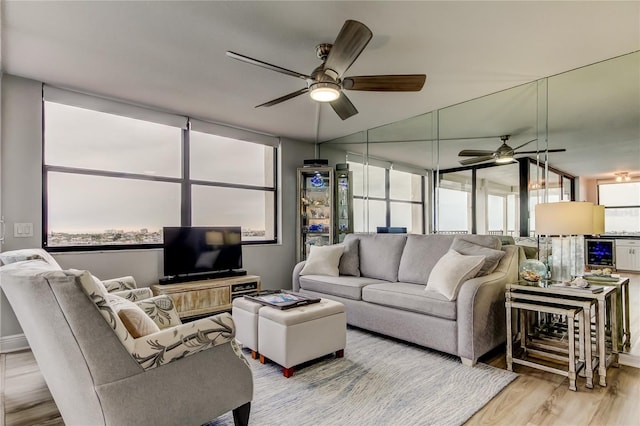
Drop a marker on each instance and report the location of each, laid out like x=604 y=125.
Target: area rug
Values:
x=379 y=381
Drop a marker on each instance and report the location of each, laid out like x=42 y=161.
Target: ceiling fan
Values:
x=504 y=154
x=327 y=82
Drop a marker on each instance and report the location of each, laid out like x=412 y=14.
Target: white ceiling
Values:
x=171 y=54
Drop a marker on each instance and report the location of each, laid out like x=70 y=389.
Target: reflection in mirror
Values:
x=454 y=203
x=350 y=150
x=592 y=113
x=391 y=166
x=498 y=200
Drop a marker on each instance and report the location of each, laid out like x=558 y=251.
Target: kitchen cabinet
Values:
x=628 y=255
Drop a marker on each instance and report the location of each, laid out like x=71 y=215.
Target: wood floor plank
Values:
x=516 y=404
x=2 y=387
x=620 y=404
x=26 y=399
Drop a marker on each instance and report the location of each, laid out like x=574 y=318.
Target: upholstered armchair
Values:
x=114 y=360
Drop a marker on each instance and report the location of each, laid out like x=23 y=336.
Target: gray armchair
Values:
x=99 y=374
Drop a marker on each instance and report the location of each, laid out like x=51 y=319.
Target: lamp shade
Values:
x=598 y=220
x=565 y=218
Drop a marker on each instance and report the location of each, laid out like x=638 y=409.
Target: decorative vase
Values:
x=532 y=270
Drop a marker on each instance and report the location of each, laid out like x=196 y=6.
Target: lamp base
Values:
x=567 y=254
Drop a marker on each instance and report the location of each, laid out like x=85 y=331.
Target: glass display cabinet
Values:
x=344 y=204
x=316 y=217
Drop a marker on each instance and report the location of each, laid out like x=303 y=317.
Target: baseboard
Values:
x=629 y=360
x=16 y=342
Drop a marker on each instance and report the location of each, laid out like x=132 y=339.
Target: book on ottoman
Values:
x=282 y=299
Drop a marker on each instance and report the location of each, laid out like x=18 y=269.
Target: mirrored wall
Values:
x=567 y=132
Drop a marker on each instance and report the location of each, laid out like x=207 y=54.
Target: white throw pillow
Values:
x=451 y=271
x=323 y=260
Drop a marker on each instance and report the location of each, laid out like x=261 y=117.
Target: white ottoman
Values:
x=245 y=317
x=294 y=336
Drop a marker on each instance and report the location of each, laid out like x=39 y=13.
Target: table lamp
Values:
x=569 y=221
x=598 y=220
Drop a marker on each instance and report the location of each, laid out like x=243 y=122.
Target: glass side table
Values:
x=600 y=305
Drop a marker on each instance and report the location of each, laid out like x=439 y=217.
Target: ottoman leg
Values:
x=340 y=353
x=287 y=372
x=262 y=359
x=254 y=355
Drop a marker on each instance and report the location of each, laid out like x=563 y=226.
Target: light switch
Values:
x=22 y=230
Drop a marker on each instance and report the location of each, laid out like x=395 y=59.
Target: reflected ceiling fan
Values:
x=326 y=83
x=504 y=154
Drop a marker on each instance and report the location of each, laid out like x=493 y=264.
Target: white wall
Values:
x=21 y=195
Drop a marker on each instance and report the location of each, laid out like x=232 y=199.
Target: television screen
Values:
x=193 y=250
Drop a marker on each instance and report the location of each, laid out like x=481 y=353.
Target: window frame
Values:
x=185 y=182
x=387 y=197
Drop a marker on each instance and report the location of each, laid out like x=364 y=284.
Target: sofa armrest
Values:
x=135 y=294
x=295 y=284
x=161 y=310
x=177 y=342
x=481 y=311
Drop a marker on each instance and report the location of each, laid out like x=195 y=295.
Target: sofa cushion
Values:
x=420 y=255
x=491 y=256
x=380 y=255
x=348 y=287
x=451 y=271
x=323 y=260
x=410 y=297
x=350 y=260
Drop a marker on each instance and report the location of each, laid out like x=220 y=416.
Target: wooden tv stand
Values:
x=203 y=297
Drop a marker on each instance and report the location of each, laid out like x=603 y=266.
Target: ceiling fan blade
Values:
x=266 y=65
x=343 y=107
x=542 y=151
x=526 y=143
x=284 y=98
x=475 y=153
x=351 y=41
x=475 y=160
x=385 y=83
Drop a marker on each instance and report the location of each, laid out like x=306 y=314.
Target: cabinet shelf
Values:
x=324 y=195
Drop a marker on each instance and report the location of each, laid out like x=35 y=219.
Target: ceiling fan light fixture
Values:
x=324 y=91
x=504 y=160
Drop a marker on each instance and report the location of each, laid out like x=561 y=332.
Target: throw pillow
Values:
x=138 y=324
x=350 y=260
x=323 y=260
x=135 y=320
x=491 y=257
x=451 y=271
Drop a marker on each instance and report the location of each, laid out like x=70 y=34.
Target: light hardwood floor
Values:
x=534 y=398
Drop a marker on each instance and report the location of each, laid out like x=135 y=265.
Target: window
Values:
x=114 y=175
x=454 y=203
x=622 y=207
x=385 y=196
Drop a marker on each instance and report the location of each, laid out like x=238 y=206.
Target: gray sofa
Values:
x=194 y=374
x=387 y=291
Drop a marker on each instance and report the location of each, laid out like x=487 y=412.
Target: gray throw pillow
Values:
x=350 y=260
x=491 y=257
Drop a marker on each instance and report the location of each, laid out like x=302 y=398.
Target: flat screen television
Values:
x=193 y=250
